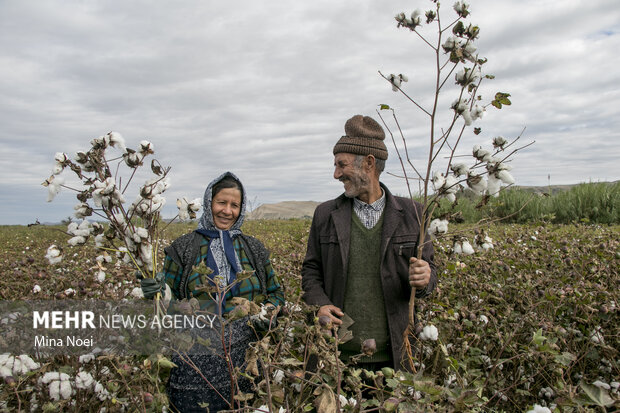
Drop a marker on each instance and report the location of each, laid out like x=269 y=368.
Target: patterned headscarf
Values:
x=222 y=258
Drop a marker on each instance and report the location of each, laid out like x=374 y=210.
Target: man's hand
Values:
x=419 y=273
x=332 y=312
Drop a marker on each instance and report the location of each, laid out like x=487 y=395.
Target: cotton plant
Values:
x=455 y=109
x=11 y=366
x=132 y=231
x=60 y=386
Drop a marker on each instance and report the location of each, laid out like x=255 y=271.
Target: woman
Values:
x=220 y=244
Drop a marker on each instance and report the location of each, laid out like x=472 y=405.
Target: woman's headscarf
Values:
x=222 y=258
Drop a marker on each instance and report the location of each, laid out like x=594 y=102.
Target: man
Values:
x=361 y=250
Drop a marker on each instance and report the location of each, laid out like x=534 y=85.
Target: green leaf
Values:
x=428 y=387
x=598 y=396
x=370 y=403
x=243 y=397
x=393 y=383
x=539 y=338
x=291 y=361
x=165 y=363
x=501 y=98
x=565 y=358
x=202 y=269
x=383 y=106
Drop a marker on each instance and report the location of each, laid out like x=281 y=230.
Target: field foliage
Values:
x=535 y=320
x=586 y=203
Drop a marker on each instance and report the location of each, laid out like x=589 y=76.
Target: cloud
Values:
x=264 y=88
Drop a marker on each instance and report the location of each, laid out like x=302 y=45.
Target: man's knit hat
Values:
x=363 y=136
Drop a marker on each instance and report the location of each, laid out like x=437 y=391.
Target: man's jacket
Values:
x=325 y=267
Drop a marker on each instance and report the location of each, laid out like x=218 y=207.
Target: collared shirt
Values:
x=369 y=214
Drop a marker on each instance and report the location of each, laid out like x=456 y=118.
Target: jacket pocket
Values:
x=405 y=250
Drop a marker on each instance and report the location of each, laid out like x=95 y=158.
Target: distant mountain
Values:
x=284 y=210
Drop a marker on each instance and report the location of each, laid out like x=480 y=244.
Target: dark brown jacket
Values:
x=324 y=270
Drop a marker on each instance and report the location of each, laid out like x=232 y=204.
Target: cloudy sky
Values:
x=263 y=89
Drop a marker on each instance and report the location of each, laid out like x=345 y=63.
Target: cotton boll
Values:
x=493 y=186
x=478 y=112
x=99 y=240
x=100 y=276
x=72 y=227
x=459 y=106
x=481 y=154
x=467 y=248
x=140 y=234
x=477 y=184
x=505 y=177
x=77 y=240
x=132 y=159
x=459 y=169
x=101 y=392
x=137 y=293
x=146 y=148
x=451 y=184
x=53 y=375
x=395 y=80
x=450 y=44
x=278 y=376
x=469 y=51
x=57 y=169
x=438 y=226
x=53 y=187
x=84 y=380
x=61 y=157
x=429 y=333
x=438 y=180
x=146 y=251
x=416 y=18
x=54 y=254
x=86 y=358
x=36 y=289
x=60 y=389
x=596 y=336
x=457 y=248
x=487 y=244
x=82 y=210
x=117 y=140
x=539 y=409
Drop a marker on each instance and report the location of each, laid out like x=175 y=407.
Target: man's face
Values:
x=355 y=180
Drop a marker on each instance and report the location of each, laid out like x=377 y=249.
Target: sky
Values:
x=263 y=89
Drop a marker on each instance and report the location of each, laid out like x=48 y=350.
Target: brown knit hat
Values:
x=363 y=136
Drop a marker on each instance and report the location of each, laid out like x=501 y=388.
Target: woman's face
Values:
x=226 y=206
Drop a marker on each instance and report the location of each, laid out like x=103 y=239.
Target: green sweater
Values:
x=363 y=299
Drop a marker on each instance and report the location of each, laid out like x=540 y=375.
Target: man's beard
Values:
x=357 y=183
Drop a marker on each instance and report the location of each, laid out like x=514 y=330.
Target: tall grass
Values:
x=588 y=203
